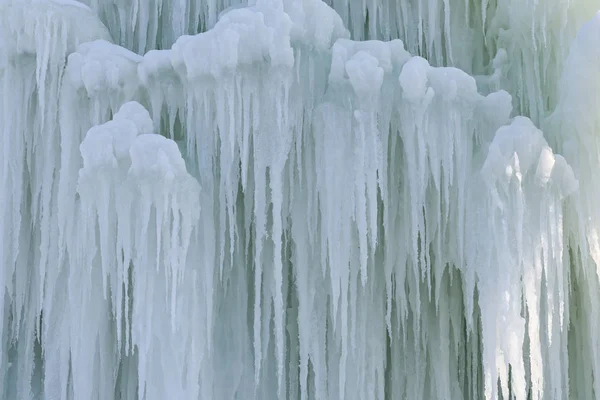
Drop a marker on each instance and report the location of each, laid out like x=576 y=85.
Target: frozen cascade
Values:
x=516 y=45
x=576 y=115
x=251 y=201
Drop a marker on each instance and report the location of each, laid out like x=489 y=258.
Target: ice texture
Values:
x=298 y=199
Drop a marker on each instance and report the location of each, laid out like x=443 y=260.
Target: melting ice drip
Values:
x=277 y=208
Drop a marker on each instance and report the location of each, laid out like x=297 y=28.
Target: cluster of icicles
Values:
x=271 y=210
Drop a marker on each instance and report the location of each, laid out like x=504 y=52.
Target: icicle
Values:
x=369 y=226
x=35 y=37
x=574 y=130
x=527 y=185
x=146 y=185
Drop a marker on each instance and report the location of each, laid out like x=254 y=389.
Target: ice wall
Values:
x=516 y=45
x=275 y=208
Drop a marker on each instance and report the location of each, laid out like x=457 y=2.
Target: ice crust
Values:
x=208 y=199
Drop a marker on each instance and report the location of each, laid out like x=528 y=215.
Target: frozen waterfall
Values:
x=298 y=199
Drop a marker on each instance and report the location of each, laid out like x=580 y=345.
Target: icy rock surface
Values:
x=217 y=199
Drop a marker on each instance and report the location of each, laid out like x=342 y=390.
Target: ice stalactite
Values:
x=443 y=31
x=105 y=152
x=522 y=268
x=531 y=40
x=573 y=130
x=519 y=44
x=144 y=25
x=34 y=44
x=99 y=78
x=134 y=188
x=320 y=217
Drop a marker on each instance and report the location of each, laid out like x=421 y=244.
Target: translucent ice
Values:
x=218 y=199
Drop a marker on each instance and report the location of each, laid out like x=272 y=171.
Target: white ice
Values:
x=298 y=199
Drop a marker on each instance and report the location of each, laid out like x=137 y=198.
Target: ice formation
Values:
x=298 y=199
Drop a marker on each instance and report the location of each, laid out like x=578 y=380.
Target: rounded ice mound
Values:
x=107 y=144
x=365 y=74
x=154 y=156
x=135 y=112
x=421 y=82
x=364 y=64
x=520 y=151
x=452 y=83
x=414 y=79
x=100 y=66
x=122 y=156
x=155 y=65
x=242 y=37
